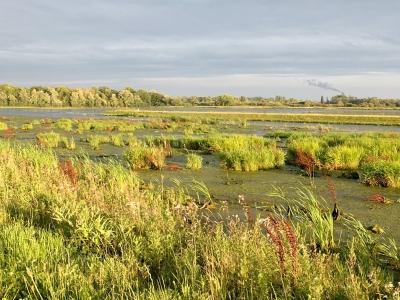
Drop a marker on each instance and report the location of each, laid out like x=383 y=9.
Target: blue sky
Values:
x=301 y=49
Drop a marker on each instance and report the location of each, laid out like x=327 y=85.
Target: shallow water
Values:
x=255 y=186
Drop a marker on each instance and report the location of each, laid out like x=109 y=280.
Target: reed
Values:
x=68 y=143
x=194 y=161
x=78 y=229
x=3 y=126
x=381 y=173
x=48 y=139
x=271 y=117
x=142 y=156
x=27 y=126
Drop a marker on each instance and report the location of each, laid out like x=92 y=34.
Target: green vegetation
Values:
x=48 y=139
x=270 y=117
x=143 y=156
x=77 y=229
x=27 y=126
x=194 y=161
x=39 y=96
x=381 y=173
x=376 y=156
x=68 y=143
x=3 y=126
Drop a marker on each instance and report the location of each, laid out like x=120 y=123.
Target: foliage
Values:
x=381 y=173
x=78 y=229
x=48 y=139
x=68 y=143
x=142 y=156
x=27 y=126
x=194 y=161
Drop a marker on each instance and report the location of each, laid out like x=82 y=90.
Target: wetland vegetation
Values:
x=118 y=208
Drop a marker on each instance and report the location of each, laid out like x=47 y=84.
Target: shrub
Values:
x=3 y=126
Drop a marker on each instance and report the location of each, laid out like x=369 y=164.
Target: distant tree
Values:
x=3 y=99
x=156 y=99
x=114 y=101
x=144 y=96
x=125 y=98
x=54 y=101
x=244 y=100
x=23 y=97
x=225 y=100
x=43 y=99
x=322 y=99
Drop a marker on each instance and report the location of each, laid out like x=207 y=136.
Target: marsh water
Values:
x=256 y=187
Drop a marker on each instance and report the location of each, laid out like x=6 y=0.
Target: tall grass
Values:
x=342 y=151
x=78 y=230
x=143 y=156
x=381 y=173
x=48 y=139
x=194 y=161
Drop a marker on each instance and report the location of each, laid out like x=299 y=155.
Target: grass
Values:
x=270 y=117
x=48 y=139
x=143 y=156
x=68 y=143
x=381 y=173
x=194 y=161
x=77 y=229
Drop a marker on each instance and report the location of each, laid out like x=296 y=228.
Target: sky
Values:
x=298 y=49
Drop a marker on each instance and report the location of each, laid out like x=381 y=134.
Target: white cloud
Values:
x=79 y=41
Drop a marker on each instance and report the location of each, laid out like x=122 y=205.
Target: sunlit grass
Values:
x=77 y=229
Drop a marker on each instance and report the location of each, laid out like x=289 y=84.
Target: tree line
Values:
x=39 y=96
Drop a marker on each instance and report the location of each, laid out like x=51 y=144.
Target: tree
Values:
x=144 y=96
x=125 y=98
x=322 y=99
x=54 y=101
x=43 y=99
x=225 y=100
x=23 y=97
x=157 y=99
x=3 y=99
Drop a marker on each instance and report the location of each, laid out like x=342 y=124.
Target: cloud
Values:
x=79 y=41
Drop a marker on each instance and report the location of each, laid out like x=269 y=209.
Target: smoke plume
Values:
x=324 y=85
